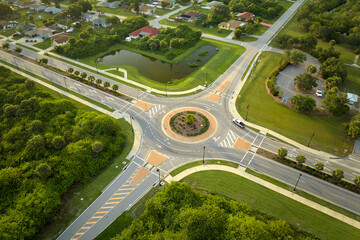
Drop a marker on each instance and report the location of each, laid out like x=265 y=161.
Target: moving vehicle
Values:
x=239 y=123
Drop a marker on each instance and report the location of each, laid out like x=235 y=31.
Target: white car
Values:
x=70 y=30
x=239 y=123
x=319 y=93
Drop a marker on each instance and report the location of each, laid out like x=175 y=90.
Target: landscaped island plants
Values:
x=47 y=145
x=189 y=123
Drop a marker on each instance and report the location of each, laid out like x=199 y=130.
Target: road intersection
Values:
x=148 y=111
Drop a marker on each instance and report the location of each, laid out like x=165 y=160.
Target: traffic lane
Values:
x=312 y=185
x=96 y=205
x=126 y=204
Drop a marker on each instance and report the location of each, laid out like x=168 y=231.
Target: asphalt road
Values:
x=106 y=207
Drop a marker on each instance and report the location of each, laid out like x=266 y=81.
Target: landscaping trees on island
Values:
x=294 y=56
x=305 y=81
x=70 y=70
x=311 y=69
x=300 y=158
x=357 y=181
x=98 y=81
x=319 y=166
x=338 y=174
x=115 y=87
x=189 y=119
x=18 y=49
x=333 y=82
x=303 y=103
x=106 y=84
x=76 y=72
x=333 y=67
x=83 y=75
x=6 y=45
x=282 y=152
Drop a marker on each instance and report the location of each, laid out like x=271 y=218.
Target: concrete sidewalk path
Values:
x=241 y=172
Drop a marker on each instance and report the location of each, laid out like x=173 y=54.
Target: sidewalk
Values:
x=241 y=172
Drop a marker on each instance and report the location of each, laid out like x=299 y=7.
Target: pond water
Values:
x=156 y=69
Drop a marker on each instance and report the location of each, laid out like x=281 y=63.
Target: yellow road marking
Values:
x=117 y=198
x=106 y=207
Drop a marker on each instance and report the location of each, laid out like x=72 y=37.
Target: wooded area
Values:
x=46 y=146
x=179 y=212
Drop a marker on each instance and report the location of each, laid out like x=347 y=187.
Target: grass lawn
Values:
x=216 y=66
x=198 y=163
x=210 y=30
x=352 y=82
x=73 y=206
x=292 y=28
x=260 y=30
x=272 y=203
x=125 y=219
x=45 y=44
x=120 y=74
x=120 y=11
x=330 y=133
x=8 y=32
x=286 y=5
x=162 y=11
x=246 y=38
x=30 y=48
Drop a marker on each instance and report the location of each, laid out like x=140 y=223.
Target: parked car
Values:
x=319 y=93
x=239 y=123
x=15 y=34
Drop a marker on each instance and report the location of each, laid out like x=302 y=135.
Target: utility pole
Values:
x=247 y=111
x=158 y=170
x=311 y=138
x=297 y=181
x=204 y=156
x=16 y=63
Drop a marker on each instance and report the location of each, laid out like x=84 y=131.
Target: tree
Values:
x=303 y=103
x=58 y=142
x=282 y=152
x=44 y=61
x=136 y=5
x=354 y=127
x=35 y=144
x=333 y=67
x=294 y=56
x=5 y=10
x=300 y=158
x=115 y=87
x=20 y=29
x=218 y=13
x=77 y=73
x=189 y=119
x=335 y=102
x=97 y=147
x=357 y=181
x=70 y=70
x=311 y=69
x=106 y=84
x=46 y=2
x=332 y=43
x=18 y=49
x=91 y=78
x=319 y=166
x=237 y=33
x=83 y=75
x=338 y=174
x=43 y=170
x=5 y=45
x=195 y=4
x=98 y=81
x=333 y=82
x=305 y=81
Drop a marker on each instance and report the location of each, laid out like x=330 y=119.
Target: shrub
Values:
x=189 y=119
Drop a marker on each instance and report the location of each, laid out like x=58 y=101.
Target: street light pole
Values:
x=297 y=181
x=97 y=70
x=311 y=138
x=132 y=130
x=67 y=89
x=166 y=89
x=204 y=156
x=16 y=63
x=247 y=111
x=158 y=170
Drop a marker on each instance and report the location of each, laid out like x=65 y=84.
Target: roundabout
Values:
x=189 y=125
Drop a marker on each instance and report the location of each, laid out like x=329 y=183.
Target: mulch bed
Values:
x=199 y=126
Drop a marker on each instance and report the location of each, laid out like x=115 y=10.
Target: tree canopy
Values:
x=305 y=81
x=335 y=102
x=264 y=8
x=294 y=56
x=46 y=146
x=303 y=103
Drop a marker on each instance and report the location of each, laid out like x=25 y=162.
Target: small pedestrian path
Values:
x=241 y=172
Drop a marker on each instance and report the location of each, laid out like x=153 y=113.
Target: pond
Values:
x=158 y=70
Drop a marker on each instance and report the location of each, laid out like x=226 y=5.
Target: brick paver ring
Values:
x=165 y=126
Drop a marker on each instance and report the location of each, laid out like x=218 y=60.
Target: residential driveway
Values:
x=285 y=80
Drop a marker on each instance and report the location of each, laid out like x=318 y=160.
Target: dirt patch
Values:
x=179 y=123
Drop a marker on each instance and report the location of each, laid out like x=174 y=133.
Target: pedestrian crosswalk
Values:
x=154 y=109
x=229 y=140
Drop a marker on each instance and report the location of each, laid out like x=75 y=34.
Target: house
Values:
x=89 y=16
x=146 y=9
x=145 y=31
x=231 y=25
x=61 y=38
x=40 y=32
x=37 y=7
x=245 y=16
x=115 y=4
x=7 y=24
x=189 y=16
x=353 y=98
x=23 y=4
x=26 y=27
x=101 y=22
x=53 y=10
x=58 y=27
x=213 y=3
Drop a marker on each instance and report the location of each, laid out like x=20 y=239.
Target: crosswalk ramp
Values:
x=155 y=109
x=229 y=140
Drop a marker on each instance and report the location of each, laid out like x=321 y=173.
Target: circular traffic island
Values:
x=189 y=125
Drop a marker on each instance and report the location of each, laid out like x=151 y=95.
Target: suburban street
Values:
x=158 y=154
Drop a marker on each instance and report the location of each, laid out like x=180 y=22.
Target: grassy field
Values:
x=25 y=46
x=293 y=28
x=217 y=65
x=246 y=38
x=210 y=30
x=352 y=82
x=44 y=44
x=125 y=219
x=260 y=30
x=272 y=203
x=73 y=206
x=117 y=11
x=161 y=11
x=330 y=133
x=199 y=163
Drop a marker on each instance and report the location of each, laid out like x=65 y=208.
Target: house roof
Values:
x=99 y=20
x=145 y=8
x=191 y=14
x=148 y=30
x=27 y=27
x=352 y=97
x=39 y=31
x=246 y=15
x=232 y=24
x=61 y=37
x=4 y=23
x=214 y=3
